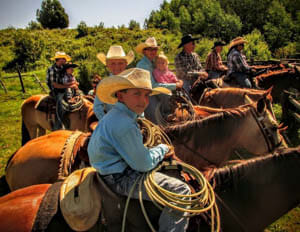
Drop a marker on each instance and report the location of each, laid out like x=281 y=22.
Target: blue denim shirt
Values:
x=145 y=63
x=99 y=108
x=117 y=143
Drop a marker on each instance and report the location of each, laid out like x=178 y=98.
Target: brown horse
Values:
x=280 y=80
x=209 y=141
x=212 y=140
x=250 y=196
x=232 y=97
x=35 y=122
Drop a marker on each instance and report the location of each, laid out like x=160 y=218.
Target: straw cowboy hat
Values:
x=80 y=199
x=186 y=39
x=61 y=55
x=237 y=41
x=129 y=79
x=149 y=43
x=116 y=52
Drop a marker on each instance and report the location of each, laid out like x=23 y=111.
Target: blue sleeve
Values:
x=98 y=108
x=140 y=158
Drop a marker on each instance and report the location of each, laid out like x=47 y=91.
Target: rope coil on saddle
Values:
x=181 y=98
x=193 y=204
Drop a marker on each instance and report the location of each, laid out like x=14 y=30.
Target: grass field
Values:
x=10 y=137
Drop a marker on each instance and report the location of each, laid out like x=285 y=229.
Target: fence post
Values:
x=38 y=81
x=2 y=84
x=21 y=80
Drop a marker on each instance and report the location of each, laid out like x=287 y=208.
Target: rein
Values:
x=265 y=132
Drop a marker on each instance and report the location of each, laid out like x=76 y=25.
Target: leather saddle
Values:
x=46 y=104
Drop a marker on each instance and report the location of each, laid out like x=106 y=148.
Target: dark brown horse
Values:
x=209 y=141
x=250 y=196
x=280 y=80
x=35 y=122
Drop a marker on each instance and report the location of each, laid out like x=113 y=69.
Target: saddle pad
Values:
x=80 y=200
x=46 y=104
x=68 y=155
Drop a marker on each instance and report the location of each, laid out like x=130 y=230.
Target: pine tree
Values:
x=52 y=15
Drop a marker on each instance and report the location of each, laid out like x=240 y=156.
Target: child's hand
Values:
x=179 y=84
x=170 y=153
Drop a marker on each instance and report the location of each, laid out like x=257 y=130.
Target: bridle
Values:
x=271 y=144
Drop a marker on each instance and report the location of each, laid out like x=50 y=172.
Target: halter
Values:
x=265 y=132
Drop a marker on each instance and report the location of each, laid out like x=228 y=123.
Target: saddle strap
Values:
x=47 y=209
x=68 y=155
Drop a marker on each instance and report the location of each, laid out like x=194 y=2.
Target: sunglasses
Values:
x=151 y=49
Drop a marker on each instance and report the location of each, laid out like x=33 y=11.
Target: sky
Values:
x=18 y=13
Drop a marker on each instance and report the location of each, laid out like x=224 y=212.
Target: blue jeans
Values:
x=187 y=85
x=168 y=220
x=213 y=74
x=242 y=79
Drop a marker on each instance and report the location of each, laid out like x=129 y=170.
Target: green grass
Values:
x=10 y=137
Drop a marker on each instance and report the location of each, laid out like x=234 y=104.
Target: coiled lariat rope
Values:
x=191 y=205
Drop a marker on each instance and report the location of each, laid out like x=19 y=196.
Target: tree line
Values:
x=277 y=20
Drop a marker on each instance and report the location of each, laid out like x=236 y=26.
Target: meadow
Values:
x=10 y=138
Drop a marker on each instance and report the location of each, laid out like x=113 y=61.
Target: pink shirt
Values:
x=164 y=77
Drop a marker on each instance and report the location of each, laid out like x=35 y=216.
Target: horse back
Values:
x=18 y=209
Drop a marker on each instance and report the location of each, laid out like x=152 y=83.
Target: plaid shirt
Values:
x=214 y=62
x=237 y=62
x=54 y=75
x=187 y=64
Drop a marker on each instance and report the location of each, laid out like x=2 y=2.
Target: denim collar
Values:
x=122 y=107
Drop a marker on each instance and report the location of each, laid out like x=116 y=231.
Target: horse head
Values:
x=267 y=124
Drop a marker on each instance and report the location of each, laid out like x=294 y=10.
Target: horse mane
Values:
x=273 y=74
x=234 y=115
x=227 y=176
x=226 y=92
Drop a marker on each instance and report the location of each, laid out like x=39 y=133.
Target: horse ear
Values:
x=248 y=99
x=261 y=106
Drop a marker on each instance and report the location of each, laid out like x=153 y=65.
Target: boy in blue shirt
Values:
x=116 y=146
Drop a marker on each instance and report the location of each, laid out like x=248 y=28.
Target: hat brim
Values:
x=140 y=48
x=237 y=43
x=222 y=45
x=106 y=90
x=183 y=43
x=129 y=57
x=66 y=57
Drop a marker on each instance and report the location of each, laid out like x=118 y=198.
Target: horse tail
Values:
x=4 y=188
x=25 y=134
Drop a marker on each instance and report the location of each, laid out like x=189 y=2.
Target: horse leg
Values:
x=4 y=188
x=41 y=131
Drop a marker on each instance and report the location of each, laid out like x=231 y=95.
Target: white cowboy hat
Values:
x=149 y=43
x=116 y=52
x=61 y=55
x=129 y=79
x=237 y=41
x=80 y=199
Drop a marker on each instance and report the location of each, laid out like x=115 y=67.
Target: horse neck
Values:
x=227 y=97
x=214 y=137
x=260 y=190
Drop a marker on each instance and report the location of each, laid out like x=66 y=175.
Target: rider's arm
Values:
x=98 y=108
x=140 y=158
x=61 y=86
x=241 y=63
